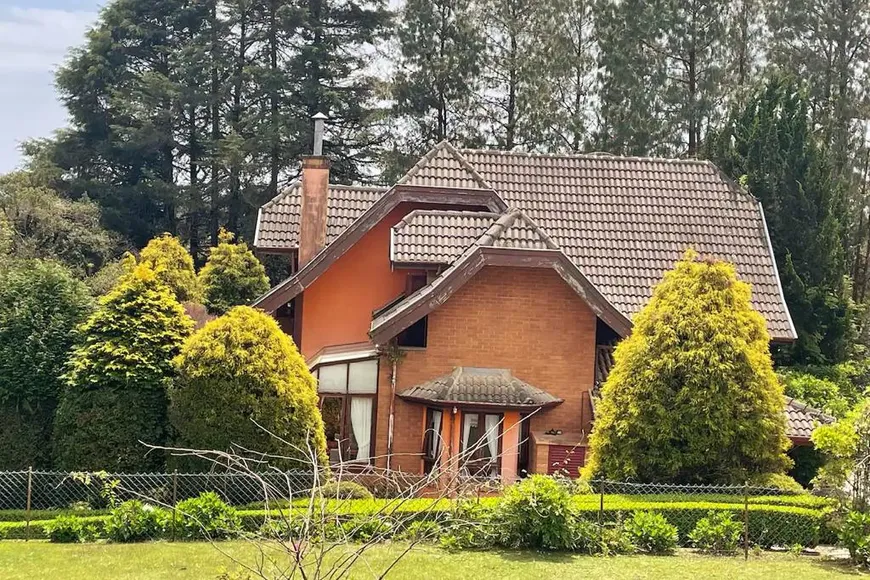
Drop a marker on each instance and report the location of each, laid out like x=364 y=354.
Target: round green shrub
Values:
x=240 y=369
x=67 y=529
x=651 y=533
x=41 y=307
x=854 y=535
x=207 y=517
x=115 y=396
x=344 y=490
x=422 y=531
x=777 y=481
x=536 y=513
x=133 y=521
x=716 y=533
x=232 y=276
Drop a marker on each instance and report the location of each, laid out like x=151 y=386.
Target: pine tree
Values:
x=239 y=377
x=116 y=391
x=692 y=396
x=232 y=276
x=769 y=145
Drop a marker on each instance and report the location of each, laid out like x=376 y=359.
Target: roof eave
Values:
x=487 y=405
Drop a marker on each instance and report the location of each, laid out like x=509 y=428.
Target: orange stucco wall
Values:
x=337 y=307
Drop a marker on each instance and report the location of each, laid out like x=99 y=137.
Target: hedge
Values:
x=768 y=524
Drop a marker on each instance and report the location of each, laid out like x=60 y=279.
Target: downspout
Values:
x=393 y=354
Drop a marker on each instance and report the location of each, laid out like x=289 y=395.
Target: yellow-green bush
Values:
x=232 y=276
x=692 y=396
x=115 y=394
x=240 y=369
x=173 y=265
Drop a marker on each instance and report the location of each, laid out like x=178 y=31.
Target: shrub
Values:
x=41 y=306
x=115 y=395
x=232 y=276
x=344 y=490
x=717 y=533
x=173 y=265
x=367 y=527
x=536 y=513
x=854 y=535
x=133 y=521
x=70 y=529
x=778 y=481
x=651 y=533
x=422 y=531
x=615 y=540
x=587 y=537
x=269 y=383
x=207 y=517
x=692 y=395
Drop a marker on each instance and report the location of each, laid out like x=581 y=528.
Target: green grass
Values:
x=38 y=560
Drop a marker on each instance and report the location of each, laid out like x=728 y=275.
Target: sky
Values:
x=35 y=36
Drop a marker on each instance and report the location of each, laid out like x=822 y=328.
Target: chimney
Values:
x=315 y=187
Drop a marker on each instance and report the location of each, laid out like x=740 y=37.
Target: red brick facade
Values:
x=526 y=320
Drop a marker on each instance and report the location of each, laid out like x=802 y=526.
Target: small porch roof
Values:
x=480 y=387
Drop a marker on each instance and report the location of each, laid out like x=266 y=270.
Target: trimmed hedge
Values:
x=768 y=524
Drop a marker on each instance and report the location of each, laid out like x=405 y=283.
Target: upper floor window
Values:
x=347 y=403
x=414 y=335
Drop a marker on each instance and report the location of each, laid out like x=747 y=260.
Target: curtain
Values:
x=361 y=423
x=436 y=434
x=492 y=422
x=466 y=431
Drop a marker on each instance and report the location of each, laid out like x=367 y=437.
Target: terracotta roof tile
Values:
x=278 y=221
x=444 y=166
x=802 y=419
x=437 y=237
x=497 y=387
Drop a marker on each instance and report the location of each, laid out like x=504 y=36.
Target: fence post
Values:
x=29 y=495
x=174 y=500
x=746 y=520
x=601 y=513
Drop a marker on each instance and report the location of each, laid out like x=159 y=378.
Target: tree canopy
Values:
x=239 y=377
x=692 y=396
x=115 y=395
x=173 y=265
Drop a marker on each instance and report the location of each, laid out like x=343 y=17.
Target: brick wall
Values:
x=526 y=320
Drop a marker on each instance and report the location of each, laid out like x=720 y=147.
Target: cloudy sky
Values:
x=35 y=35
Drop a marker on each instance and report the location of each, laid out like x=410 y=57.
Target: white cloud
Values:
x=37 y=39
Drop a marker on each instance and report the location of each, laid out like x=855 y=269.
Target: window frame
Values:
x=349 y=451
x=481 y=417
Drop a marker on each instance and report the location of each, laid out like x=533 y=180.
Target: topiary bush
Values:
x=716 y=533
x=692 y=396
x=173 y=265
x=232 y=276
x=115 y=393
x=269 y=382
x=133 y=521
x=651 y=533
x=70 y=530
x=344 y=490
x=41 y=307
x=536 y=513
x=207 y=517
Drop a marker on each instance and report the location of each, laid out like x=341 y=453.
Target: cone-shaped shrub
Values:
x=173 y=265
x=232 y=276
x=692 y=395
x=118 y=376
x=240 y=369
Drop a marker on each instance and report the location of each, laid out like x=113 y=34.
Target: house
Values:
x=470 y=309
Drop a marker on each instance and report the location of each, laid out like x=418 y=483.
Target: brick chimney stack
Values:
x=315 y=188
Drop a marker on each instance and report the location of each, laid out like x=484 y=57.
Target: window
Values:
x=347 y=403
x=432 y=439
x=414 y=335
x=481 y=442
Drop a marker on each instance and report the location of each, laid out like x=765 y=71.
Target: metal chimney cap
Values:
x=319 y=117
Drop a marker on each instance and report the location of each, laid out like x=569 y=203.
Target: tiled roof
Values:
x=444 y=166
x=801 y=419
x=622 y=221
x=440 y=237
x=278 y=222
x=481 y=386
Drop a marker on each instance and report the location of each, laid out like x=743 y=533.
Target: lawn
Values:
x=37 y=560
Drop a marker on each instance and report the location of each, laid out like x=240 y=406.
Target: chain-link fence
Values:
x=50 y=490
